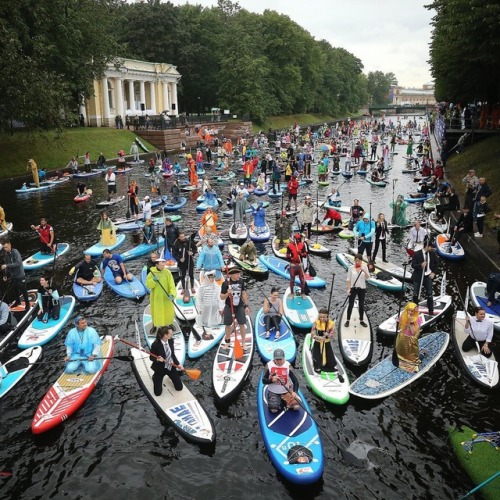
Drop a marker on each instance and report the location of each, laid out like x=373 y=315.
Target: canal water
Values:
x=116 y=445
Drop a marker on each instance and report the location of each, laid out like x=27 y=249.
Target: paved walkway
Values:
x=484 y=249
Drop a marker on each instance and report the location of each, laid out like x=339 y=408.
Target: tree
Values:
x=465 y=50
x=379 y=85
x=49 y=57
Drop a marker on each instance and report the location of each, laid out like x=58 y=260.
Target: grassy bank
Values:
x=279 y=122
x=483 y=157
x=53 y=151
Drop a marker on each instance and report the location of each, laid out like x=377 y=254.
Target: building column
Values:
x=174 y=99
x=166 y=103
x=152 y=96
x=142 y=90
x=131 y=95
x=105 y=98
x=119 y=97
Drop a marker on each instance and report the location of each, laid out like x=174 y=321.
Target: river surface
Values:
x=116 y=446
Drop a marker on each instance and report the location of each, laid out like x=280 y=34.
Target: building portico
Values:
x=131 y=87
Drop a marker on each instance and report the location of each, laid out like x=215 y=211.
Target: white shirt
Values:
x=481 y=330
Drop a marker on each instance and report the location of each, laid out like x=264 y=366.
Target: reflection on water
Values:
x=117 y=446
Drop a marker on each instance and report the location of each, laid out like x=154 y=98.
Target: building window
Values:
x=111 y=96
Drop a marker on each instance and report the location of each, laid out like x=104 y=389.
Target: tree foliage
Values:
x=465 y=50
x=253 y=64
x=379 y=85
x=50 y=52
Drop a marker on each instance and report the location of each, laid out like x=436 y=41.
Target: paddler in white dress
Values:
x=210 y=303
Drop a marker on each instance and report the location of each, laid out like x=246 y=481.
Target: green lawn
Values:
x=53 y=151
x=279 y=122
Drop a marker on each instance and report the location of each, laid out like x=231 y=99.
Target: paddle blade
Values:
x=193 y=374
x=238 y=349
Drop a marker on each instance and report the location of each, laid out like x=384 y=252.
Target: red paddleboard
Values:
x=69 y=393
x=81 y=197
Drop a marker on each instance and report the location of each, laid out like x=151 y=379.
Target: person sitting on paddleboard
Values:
x=81 y=188
x=83 y=345
x=87 y=273
x=282 y=382
x=115 y=262
x=164 y=359
x=323 y=333
x=273 y=311
x=48 y=301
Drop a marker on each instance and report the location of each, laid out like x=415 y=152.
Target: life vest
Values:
x=295 y=252
x=45 y=233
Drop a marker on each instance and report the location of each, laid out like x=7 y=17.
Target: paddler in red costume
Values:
x=193 y=176
x=47 y=236
x=296 y=251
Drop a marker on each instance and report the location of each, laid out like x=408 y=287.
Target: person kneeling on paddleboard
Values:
x=83 y=345
x=165 y=359
x=283 y=384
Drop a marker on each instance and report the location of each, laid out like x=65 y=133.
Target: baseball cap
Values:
x=279 y=354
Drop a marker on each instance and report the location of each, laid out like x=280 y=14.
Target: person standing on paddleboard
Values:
x=163 y=347
x=14 y=271
x=233 y=291
x=110 y=179
x=356 y=287
x=47 y=236
x=183 y=252
x=406 y=350
x=161 y=283
x=425 y=266
x=296 y=253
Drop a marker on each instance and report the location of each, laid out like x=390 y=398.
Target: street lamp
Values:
x=199 y=105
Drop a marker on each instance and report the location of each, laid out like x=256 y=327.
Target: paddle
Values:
x=347 y=455
x=238 y=348
x=127 y=215
x=193 y=374
x=134 y=291
x=9 y=282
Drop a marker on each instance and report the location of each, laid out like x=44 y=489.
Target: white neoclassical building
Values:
x=131 y=87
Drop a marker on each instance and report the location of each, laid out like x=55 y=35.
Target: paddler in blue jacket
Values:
x=259 y=218
x=210 y=259
x=83 y=345
x=364 y=231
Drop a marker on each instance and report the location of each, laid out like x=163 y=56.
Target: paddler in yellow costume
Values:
x=108 y=231
x=161 y=283
x=34 y=171
x=406 y=351
x=322 y=333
